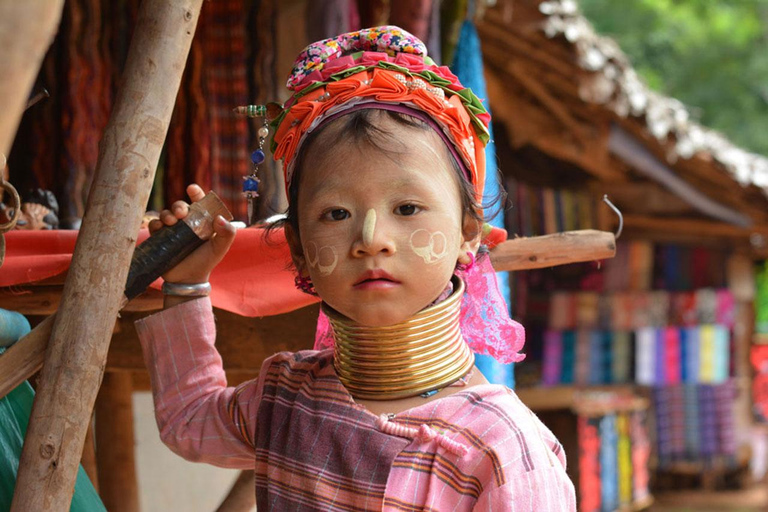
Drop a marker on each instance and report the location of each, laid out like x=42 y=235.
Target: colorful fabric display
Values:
x=658 y=308
x=641 y=316
x=708 y=437
x=608 y=463
x=665 y=448
x=621 y=362
x=552 y=367
x=722 y=354
x=693 y=354
x=589 y=464
x=691 y=410
x=641 y=453
x=758 y=358
x=587 y=313
x=724 y=395
x=624 y=456
x=569 y=357
x=707 y=353
x=706 y=306
x=645 y=356
x=597 y=374
x=726 y=308
x=562 y=311
x=672 y=366
x=621 y=314
x=583 y=356
x=659 y=371
x=676 y=411
x=640 y=265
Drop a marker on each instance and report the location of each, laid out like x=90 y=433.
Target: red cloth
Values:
x=252 y=280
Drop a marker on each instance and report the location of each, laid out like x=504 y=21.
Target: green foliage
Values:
x=710 y=54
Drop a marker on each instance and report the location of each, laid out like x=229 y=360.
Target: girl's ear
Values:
x=297 y=252
x=472 y=233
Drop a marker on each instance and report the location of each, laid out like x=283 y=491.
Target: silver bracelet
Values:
x=187 y=290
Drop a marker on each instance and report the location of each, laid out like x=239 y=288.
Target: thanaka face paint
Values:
x=314 y=255
x=431 y=247
x=369 y=227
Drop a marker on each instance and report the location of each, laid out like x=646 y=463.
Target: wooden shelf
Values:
x=542 y=398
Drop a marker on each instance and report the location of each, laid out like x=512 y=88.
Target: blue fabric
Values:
x=468 y=67
x=15 y=409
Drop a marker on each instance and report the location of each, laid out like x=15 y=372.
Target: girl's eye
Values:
x=338 y=214
x=407 y=209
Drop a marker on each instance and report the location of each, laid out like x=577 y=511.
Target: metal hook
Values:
x=621 y=218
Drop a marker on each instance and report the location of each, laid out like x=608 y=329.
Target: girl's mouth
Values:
x=375 y=280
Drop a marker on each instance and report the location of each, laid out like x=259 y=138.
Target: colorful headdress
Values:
x=387 y=68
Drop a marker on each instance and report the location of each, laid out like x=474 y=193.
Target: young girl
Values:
x=384 y=168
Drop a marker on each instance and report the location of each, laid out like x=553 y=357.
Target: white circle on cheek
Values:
x=430 y=246
x=327 y=269
x=316 y=258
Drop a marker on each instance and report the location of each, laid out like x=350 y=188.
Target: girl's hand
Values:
x=197 y=267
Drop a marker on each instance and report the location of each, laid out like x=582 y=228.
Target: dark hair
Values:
x=359 y=127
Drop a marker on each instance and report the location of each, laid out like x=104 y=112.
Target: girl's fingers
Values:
x=168 y=218
x=225 y=235
x=180 y=209
x=195 y=193
x=154 y=225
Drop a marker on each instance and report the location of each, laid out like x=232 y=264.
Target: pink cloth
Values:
x=500 y=456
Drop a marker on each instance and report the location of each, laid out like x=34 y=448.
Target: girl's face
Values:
x=381 y=234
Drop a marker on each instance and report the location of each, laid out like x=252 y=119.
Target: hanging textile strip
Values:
x=608 y=463
x=553 y=358
x=224 y=48
x=624 y=457
x=641 y=453
x=589 y=464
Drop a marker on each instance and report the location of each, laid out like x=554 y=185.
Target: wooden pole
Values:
x=115 y=450
x=77 y=350
x=242 y=495
x=26 y=31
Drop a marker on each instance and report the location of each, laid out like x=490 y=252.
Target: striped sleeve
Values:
x=199 y=417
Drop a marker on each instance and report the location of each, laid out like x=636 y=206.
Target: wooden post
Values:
x=26 y=31
x=115 y=448
x=77 y=351
x=242 y=495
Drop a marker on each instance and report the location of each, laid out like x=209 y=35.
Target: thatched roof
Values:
x=617 y=85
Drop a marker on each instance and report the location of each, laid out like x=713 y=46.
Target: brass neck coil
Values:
x=423 y=353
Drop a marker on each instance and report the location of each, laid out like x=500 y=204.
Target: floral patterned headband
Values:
x=378 y=67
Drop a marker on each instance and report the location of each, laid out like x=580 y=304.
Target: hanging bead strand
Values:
x=251 y=181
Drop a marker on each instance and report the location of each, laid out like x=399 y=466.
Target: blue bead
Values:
x=257 y=157
x=250 y=185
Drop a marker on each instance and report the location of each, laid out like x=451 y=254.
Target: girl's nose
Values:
x=373 y=237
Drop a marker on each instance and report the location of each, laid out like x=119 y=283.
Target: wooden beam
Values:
x=27 y=30
x=540 y=252
x=691 y=227
x=45 y=300
x=128 y=156
x=118 y=486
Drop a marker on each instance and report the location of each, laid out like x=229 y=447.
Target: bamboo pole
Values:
x=26 y=356
x=77 y=351
x=26 y=31
x=115 y=450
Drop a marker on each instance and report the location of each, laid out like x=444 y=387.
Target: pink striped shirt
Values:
x=313 y=448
